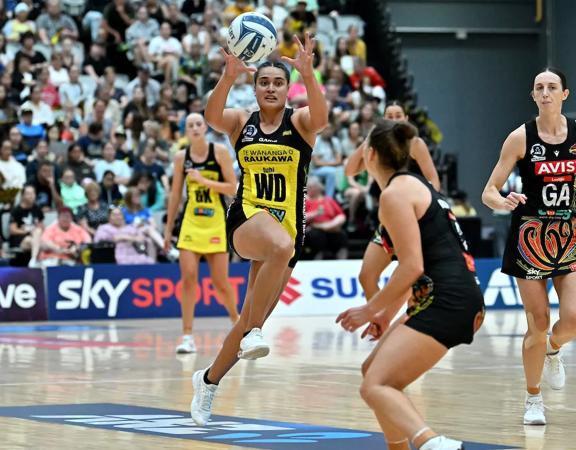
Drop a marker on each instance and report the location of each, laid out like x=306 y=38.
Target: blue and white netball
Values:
x=251 y=37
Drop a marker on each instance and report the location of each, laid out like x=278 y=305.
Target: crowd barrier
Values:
x=148 y=291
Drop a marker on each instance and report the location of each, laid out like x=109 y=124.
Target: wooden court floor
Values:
x=311 y=377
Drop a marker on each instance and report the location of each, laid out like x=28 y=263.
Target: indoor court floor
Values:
x=119 y=385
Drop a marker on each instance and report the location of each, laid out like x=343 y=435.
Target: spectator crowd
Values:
x=93 y=99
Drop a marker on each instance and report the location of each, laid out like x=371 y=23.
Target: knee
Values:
x=189 y=277
x=538 y=322
x=367 y=278
x=369 y=390
x=282 y=249
x=221 y=285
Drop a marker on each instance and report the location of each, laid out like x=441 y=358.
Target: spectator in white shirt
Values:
x=327 y=159
x=140 y=33
x=275 y=12
x=58 y=73
x=12 y=172
x=242 y=94
x=165 y=52
x=120 y=169
x=41 y=111
x=72 y=93
x=196 y=35
x=150 y=86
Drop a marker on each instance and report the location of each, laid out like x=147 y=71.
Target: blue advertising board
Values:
x=148 y=291
x=113 y=291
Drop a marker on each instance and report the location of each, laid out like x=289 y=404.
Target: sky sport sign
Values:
x=241 y=432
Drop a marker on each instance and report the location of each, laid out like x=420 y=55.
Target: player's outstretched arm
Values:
x=314 y=117
x=224 y=120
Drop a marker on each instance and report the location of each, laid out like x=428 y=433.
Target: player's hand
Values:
x=195 y=175
x=354 y=318
x=303 y=62
x=378 y=326
x=512 y=201
x=234 y=66
x=167 y=242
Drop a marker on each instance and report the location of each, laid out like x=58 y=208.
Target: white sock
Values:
x=529 y=395
x=431 y=444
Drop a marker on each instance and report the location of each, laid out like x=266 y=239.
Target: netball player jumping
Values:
x=265 y=223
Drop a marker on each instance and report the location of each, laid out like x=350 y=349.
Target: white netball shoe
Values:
x=554 y=372
x=442 y=443
x=187 y=345
x=253 y=346
x=201 y=405
x=534 y=410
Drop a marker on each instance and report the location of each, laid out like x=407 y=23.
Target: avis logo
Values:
x=290 y=295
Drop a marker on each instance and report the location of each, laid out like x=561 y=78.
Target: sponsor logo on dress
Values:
x=555 y=167
x=573 y=267
x=538 y=153
x=249 y=132
x=287 y=133
x=572 y=150
x=556 y=153
x=215 y=240
x=271 y=141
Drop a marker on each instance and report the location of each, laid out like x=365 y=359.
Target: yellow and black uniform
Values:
x=274 y=172
x=204 y=219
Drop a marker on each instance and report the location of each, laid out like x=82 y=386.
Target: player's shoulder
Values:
x=516 y=140
x=180 y=155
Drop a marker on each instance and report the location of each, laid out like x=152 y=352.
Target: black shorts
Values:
x=236 y=217
x=450 y=319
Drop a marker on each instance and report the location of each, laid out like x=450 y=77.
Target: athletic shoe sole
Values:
x=182 y=351
x=259 y=351
x=535 y=422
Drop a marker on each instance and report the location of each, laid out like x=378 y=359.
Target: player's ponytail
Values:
x=391 y=141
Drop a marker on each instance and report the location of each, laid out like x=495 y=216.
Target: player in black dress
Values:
x=541 y=243
x=447 y=304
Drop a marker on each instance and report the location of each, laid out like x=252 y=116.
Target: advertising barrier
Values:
x=147 y=291
x=22 y=295
x=330 y=287
x=111 y=291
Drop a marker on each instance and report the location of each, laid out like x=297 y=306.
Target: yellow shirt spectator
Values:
x=357 y=48
x=234 y=10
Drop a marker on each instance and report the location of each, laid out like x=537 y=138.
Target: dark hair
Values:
x=152 y=190
x=26 y=35
x=73 y=145
x=555 y=71
x=44 y=163
x=277 y=65
x=395 y=103
x=95 y=128
x=391 y=141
